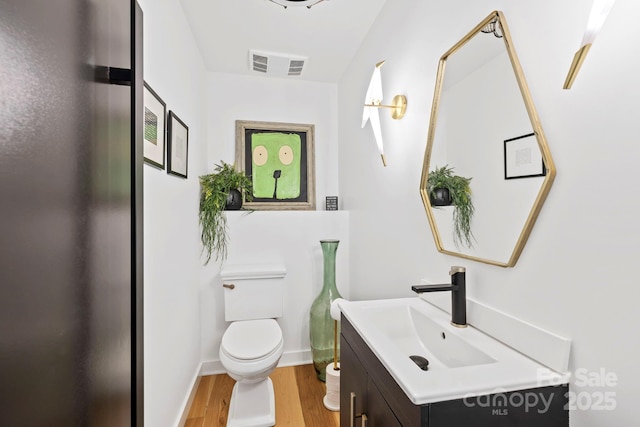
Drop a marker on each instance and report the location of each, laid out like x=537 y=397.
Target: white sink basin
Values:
x=463 y=362
x=412 y=332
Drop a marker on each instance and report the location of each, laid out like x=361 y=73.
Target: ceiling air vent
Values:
x=295 y=67
x=276 y=64
x=260 y=63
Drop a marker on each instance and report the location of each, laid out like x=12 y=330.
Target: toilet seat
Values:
x=251 y=340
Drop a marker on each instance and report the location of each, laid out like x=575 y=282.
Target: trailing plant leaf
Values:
x=460 y=192
x=214 y=189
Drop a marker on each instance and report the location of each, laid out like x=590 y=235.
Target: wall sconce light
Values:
x=373 y=101
x=599 y=12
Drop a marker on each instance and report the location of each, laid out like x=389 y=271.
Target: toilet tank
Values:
x=253 y=291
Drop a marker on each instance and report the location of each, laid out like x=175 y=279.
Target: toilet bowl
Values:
x=252 y=343
x=251 y=349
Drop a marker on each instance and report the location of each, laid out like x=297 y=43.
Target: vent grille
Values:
x=295 y=67
x=276 y=64
x=260 y=63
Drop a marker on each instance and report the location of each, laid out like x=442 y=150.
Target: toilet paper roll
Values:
x=332 y=398
x=334 y=309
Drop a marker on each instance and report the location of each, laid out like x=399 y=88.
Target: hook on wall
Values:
x=493 y=27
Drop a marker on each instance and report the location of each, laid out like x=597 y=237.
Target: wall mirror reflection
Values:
x=484 y=128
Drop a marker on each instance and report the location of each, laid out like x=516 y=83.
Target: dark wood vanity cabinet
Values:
x=369 y=396
x=362 y=402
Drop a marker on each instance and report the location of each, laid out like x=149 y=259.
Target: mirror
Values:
x=484 y=126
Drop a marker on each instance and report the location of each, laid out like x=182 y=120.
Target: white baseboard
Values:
x=211 y=367
x=295 y=358
x=289 y=358
x=192 y=394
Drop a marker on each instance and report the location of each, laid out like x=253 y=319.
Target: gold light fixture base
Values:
x=384 y=160
x=398 y=107
x=578 y=59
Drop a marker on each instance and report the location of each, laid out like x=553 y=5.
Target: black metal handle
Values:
x=113 y=75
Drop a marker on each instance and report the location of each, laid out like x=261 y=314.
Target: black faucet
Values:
x=458 y=295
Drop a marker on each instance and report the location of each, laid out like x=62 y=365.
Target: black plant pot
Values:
x=234 y=200
x=441 y=197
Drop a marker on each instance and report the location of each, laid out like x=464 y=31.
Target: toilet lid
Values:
x=251 y=339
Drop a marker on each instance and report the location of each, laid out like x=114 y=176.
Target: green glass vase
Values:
x=321 y=325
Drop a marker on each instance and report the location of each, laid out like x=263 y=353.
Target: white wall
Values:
x=174 y=69
x=575 y=276
x=288 y=238
x=234 y=97
x=291 y=238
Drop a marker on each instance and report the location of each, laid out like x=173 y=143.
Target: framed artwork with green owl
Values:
x=279 y=160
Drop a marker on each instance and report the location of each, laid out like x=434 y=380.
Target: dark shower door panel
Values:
x=67 y=209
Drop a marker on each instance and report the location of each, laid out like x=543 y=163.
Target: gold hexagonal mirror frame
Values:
x=494 y=23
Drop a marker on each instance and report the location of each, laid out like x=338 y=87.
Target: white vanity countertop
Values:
x=386 y=326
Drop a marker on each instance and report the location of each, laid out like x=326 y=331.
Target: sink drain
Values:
x=421 y=362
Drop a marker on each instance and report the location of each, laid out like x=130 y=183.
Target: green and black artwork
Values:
x=276 y=159
x=279 y=160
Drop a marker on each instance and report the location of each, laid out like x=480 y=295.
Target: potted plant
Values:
x=219 y=191
x=442 y=184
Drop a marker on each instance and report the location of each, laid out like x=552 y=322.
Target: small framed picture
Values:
x=178 y=151
x=155 y=111
x=331 y=203
x=279 y=160
x=523 y=158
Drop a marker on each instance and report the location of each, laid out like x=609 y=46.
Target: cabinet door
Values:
x=379 y=414
x=353 y=379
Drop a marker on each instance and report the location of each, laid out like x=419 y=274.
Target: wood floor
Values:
x=298 y=392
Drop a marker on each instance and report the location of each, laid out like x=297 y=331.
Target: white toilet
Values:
x=252 y=344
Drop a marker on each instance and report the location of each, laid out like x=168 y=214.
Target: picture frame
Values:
x=279 y=158
x=523 y=158
x=178 y=147
x=155 y=113
x=331 y=203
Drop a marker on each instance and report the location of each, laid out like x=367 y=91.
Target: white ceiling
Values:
x=329 y=34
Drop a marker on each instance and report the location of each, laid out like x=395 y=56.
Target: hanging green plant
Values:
x=460 y=193
x=217 y=195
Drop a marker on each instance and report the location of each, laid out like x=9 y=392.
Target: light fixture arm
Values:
x=576 y=64
x=398 y=106
x=599 y=12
